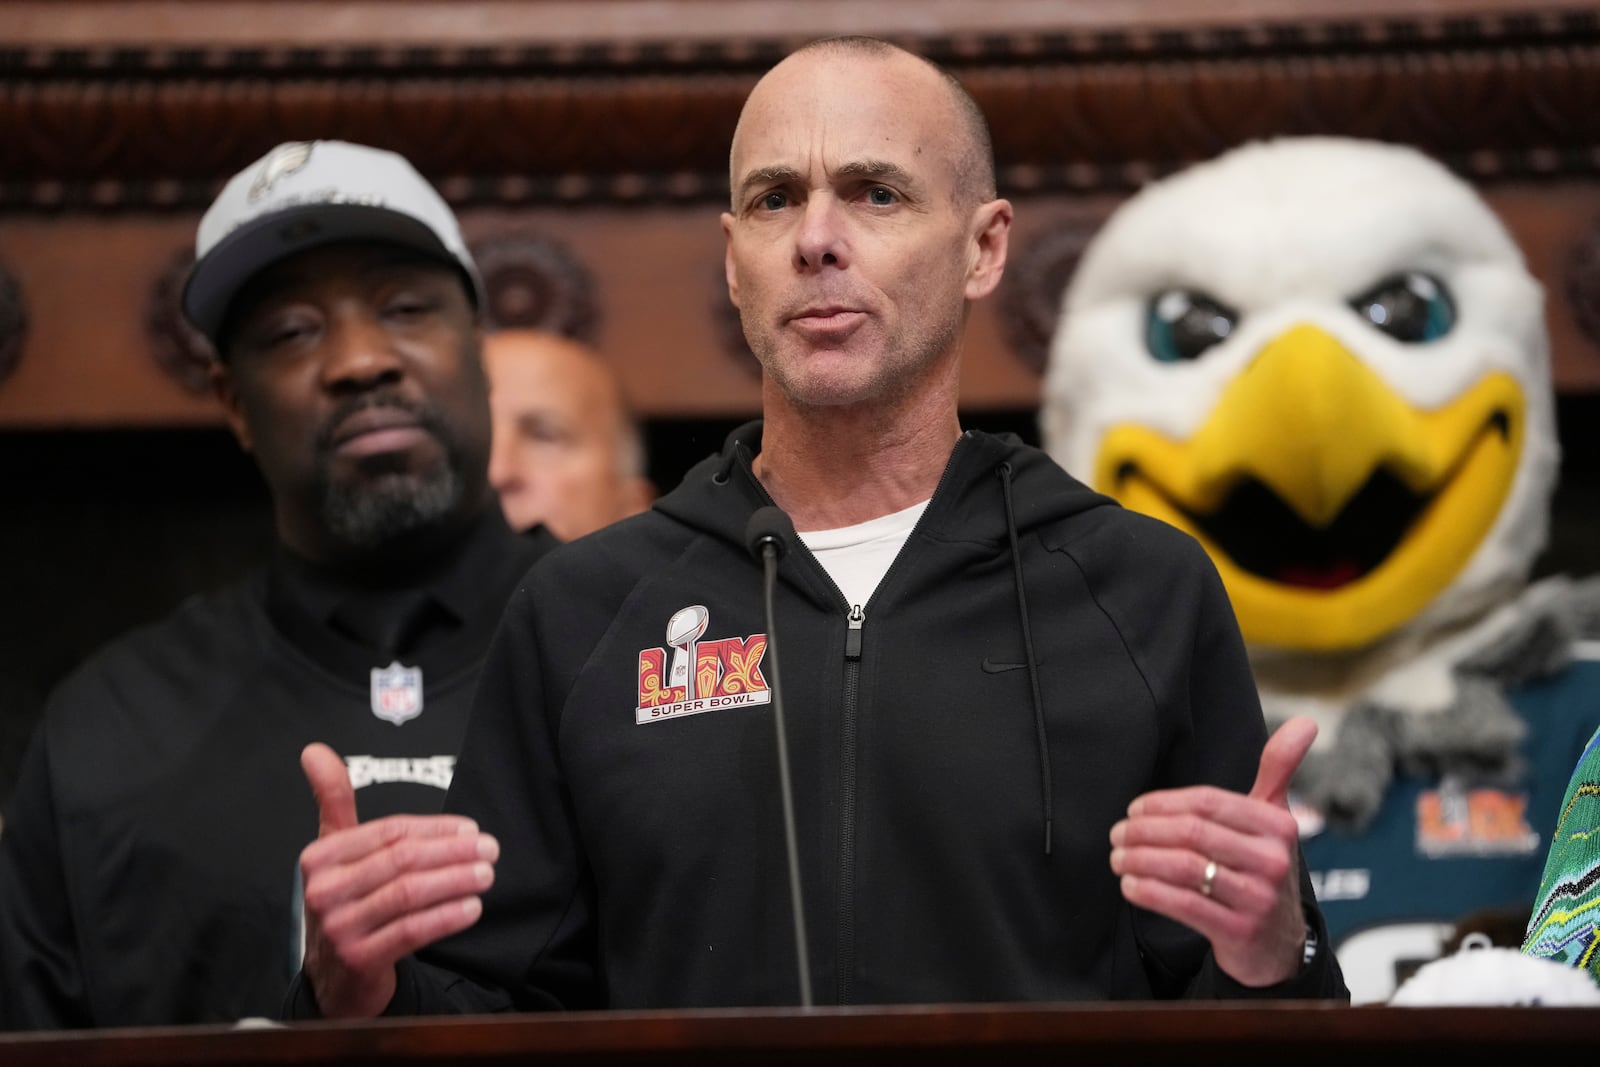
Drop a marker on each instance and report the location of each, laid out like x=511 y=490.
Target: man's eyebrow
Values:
x=768 y=176
x=875 y=168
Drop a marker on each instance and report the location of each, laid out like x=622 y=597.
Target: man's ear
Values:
x=227 y=395
x=992 y=226
x=727 y=258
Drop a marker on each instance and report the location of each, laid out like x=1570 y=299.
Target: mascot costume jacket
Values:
x=1326 y=360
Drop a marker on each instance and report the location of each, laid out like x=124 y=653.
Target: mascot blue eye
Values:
x=1180 y=325
x=1412 y=307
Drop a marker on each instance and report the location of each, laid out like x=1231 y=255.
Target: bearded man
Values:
x=148 y=866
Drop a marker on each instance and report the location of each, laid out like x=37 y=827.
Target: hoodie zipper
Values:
x=854 y=622
x=855 y=633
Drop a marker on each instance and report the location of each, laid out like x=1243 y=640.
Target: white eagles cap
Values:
x=308 y=193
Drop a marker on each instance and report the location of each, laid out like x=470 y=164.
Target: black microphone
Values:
x=767 y=536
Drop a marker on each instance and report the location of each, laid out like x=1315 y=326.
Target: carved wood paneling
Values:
x=588 y=171
x=182 y=352
x=1496 y=96
x=536 y=282
x=1037 y=273
x=660 y=306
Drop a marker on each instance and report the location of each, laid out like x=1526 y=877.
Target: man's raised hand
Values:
x=376 y=892
x=1224 y=863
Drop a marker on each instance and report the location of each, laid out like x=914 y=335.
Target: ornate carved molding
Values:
x=1037 y=273
x=537 y=282
x=182 y=352
x=152 y=128
x=13 y=323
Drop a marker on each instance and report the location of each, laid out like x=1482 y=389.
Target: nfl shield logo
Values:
x=397 y=692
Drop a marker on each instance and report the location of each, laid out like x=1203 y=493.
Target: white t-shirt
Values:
x=857 y=557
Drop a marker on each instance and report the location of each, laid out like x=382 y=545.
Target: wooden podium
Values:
x=1298 y=1033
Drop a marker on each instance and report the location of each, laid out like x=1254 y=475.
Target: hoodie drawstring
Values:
x=1043 y=739
x=724 y=471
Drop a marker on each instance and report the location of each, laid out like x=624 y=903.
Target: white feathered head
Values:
x=1325 y=359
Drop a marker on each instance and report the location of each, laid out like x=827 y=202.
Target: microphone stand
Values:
x=769 y=557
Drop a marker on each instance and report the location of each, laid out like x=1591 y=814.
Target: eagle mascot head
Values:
x=1326 y=360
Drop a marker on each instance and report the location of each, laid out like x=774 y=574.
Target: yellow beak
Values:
x=1333 y=509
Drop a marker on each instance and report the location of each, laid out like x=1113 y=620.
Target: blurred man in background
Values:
x=147 y=870
x=567 y=452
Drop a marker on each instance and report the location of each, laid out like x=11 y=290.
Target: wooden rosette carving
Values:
x=536 y=282
x=182 y=352
x=1030 y=293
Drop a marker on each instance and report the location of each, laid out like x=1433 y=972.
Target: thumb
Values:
x=1281 y=758
x=330 y=784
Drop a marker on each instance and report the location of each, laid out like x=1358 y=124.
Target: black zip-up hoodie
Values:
x=961 y=746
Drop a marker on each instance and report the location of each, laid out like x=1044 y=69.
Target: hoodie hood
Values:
x=720 y=492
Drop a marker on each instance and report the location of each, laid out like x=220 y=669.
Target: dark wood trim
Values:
x=1193 y=1035
x=1496 y=96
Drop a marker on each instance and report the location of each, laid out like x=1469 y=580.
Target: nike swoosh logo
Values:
x=996 y=667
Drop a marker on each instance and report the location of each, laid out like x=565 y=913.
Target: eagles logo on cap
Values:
x=304 y=194
x=285 y=159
